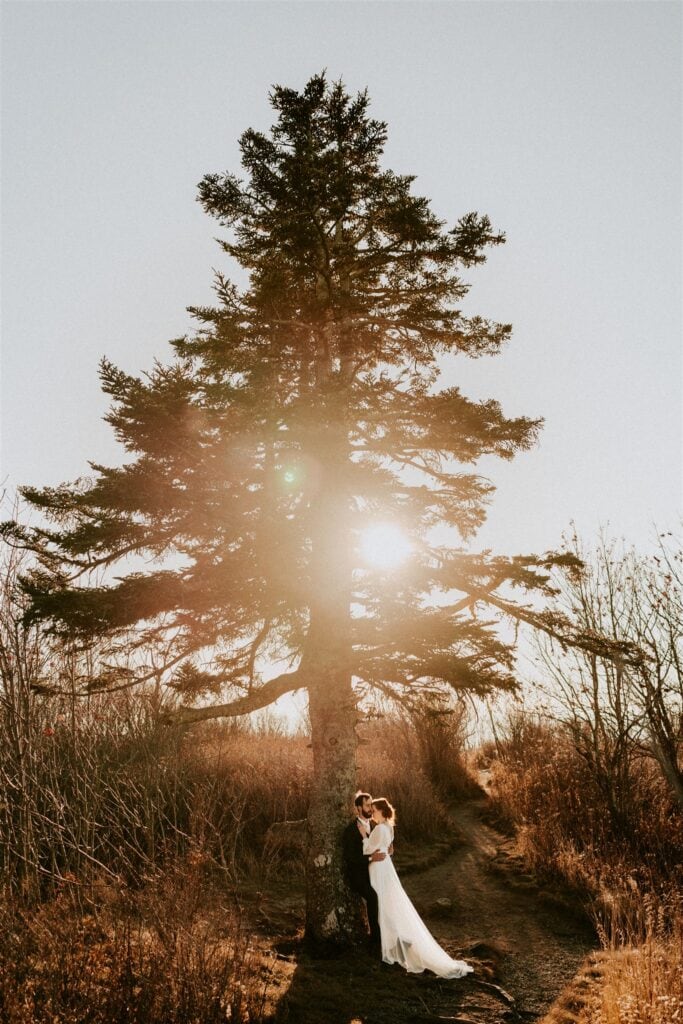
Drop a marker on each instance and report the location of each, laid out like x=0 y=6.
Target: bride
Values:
x=405 y=938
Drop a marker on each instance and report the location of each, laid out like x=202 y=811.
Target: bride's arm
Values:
x=373 y=842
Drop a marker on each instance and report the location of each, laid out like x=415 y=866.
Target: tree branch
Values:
x=261 y=698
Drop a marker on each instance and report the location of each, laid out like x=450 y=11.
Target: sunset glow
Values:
x=384 y=545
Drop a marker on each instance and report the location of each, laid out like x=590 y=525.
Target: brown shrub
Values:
x=545 y=788
x=108 y=788
x=389 y=765
x=151 y=957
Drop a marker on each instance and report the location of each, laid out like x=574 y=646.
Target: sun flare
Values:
x=384 y=546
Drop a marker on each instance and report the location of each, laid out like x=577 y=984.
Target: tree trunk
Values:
x=332 y=912
x=668 y=762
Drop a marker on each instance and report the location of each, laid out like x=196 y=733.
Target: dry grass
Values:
x=109 y=789
x=173 y=952
x=643 y=973
x=622 y=852
x=124 y=848
x=389 y=765
x=642 y=985
x=568 y=826
x=629 y=983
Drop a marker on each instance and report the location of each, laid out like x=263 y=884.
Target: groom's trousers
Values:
x=370 y=897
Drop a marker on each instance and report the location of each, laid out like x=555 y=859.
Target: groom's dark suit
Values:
x=358 y=874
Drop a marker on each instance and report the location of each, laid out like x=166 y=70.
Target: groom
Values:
x=357 y=863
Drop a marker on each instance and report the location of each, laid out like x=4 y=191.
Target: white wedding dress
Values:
x=405 y=937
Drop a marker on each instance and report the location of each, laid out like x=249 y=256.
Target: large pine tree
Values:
x=303 y=409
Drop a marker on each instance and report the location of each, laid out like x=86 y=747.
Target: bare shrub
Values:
x=617 y=704
x=389 y=764
x=442 y=734
x=543 y=785
x=643 y=978
x=155 y=956
x=103 y=790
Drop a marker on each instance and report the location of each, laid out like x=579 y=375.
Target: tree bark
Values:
x=668 y=762
x=331 y=910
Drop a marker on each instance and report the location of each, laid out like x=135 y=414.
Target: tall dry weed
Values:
x=160 y=955
x=96 y=788
x=565 y=820
x=628 y=866
x=442 y=734
x=106 y=787
x=642 y=978
x=390 y=765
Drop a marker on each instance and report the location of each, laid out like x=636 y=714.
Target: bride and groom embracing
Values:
x=396 y=929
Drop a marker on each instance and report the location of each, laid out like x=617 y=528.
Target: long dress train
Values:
x=406 y=940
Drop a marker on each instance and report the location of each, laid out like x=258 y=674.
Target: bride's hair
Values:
x=385 y=807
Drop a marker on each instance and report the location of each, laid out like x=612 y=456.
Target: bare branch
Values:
x=288 y=682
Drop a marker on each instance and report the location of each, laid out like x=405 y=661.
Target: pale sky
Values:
x=562 y=121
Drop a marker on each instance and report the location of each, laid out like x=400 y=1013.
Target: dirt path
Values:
x=499 y=912
x=480 y=905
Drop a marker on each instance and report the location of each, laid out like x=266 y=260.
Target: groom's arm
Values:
x=352 y=848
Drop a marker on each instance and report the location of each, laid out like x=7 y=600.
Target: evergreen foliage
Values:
x=302 y=409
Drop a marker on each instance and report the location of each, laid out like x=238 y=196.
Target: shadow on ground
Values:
x=355 y=989
x=481 y=905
